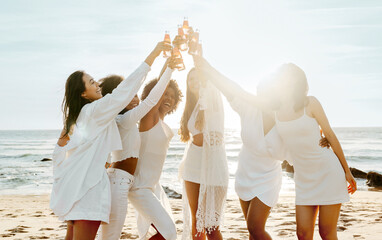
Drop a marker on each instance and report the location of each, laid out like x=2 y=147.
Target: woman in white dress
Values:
x=124 y=162
x=320 y=173
x=81 y=189
x=146 y=194
x=258 y=177
x=204 y=167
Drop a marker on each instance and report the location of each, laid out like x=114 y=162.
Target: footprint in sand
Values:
x=341 y=228
x=39 y=237
x=46 y=229
x=126 y=235
x=287 y=223
x=178 y=221
x=357 y=236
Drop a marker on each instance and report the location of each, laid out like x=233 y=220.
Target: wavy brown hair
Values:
x=172 y=84
x=191 y=101
x=107 y=84
x=73 y=101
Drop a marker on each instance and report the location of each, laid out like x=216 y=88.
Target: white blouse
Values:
x=95 y=135
x=259 y=168
x=127 y=122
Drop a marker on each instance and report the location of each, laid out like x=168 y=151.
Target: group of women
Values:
x=103 y=159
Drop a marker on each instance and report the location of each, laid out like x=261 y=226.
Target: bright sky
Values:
x=337 y=43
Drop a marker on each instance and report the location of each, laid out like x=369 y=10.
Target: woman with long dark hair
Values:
x=81 y=188
x=124 y=162
x=320 y=174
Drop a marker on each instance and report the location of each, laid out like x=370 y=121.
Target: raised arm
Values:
x=319 y=114
x=229 y=88
x=107 y=108
x=137 y=113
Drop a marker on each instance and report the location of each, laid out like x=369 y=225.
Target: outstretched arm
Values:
x=106 y=109
x=229 y=88
x=137 y=113
x=319 y=114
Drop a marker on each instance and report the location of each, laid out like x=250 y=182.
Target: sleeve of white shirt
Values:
x=106 y=109
x=137 y=113
x=229 y=88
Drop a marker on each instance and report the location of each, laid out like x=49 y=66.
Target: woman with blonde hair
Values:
x=204 y=166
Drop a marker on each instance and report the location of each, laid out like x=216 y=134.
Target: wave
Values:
x=22 y=155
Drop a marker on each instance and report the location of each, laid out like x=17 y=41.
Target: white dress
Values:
x=120 y=180
x=318 y=174
x=259 y=171
x=81 y=188
x=147 y=195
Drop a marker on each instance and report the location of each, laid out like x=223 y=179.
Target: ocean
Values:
x=23 y=172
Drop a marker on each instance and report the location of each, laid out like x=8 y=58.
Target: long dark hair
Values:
x=73 y=101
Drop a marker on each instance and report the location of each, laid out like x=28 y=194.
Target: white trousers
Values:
x=153 y=208
x=120 y=184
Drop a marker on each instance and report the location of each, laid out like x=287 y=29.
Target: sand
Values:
x=29 y=217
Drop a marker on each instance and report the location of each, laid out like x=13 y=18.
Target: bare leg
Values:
x=192 y=191
x=257 y=216
x=244 y=207
x=327 y=221
x=69 y=230
x=85 y=230
x=305 y=219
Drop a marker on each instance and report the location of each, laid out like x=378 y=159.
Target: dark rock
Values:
x=374 y=179
x=287 y=167
x=171 y=193
x=358 y=173
x=46 y=159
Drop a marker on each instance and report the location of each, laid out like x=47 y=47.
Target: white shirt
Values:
x=95 y=135
x=127 y=122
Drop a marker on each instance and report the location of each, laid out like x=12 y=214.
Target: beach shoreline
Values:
x=29 y=217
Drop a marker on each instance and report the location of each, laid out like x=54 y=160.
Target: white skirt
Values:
x=192 y=164
x=94 y=205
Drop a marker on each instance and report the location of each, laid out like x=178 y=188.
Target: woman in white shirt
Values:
x=81 y=188
x=147 y=195
x=124 y=162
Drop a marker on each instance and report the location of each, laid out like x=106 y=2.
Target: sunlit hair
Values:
x=107 y=84
x=191 y=101
x=172 y=84
x=266 y=89
x=294 y=80
x=73 y=101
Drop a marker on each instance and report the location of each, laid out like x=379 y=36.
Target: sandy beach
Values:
x=29 y=217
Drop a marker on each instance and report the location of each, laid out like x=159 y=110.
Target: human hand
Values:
x=161 y=46
x=352 y=183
